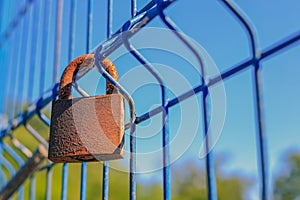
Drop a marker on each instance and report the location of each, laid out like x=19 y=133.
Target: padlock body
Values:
x=87 y=129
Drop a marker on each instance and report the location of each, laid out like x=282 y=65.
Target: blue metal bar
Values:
x=105 y=180
x=47 y=11
x=18 y=73
x=109 y=18
x=32 y=188
x=57 y=39
x=211 y=178
x=283 y=44
x=165 y=132
x=132 y=175
x=21 y=61
x=88 y=43
x=166 y=153
x=65 y=172
x=8 y=101
x=14 y=80
x=73 y=8
x=262 y=139
x=33 y=49
x=64 y=188
x=90 y=7
x=262 y=150
x=105 y=169
x=44 y=49
x=83 y=181
x=133 y=8
x=49 y=183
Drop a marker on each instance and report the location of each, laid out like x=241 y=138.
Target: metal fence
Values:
x=21 y=107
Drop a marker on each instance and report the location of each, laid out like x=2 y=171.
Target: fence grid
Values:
x=23 y=32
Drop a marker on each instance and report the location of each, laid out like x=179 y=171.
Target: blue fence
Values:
x=27 y=98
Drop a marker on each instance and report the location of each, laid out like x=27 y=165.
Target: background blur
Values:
x=30 y=67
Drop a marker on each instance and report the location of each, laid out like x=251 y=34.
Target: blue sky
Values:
x=212 y=26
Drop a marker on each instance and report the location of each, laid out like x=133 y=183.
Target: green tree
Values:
x=287 y=185
x=190 y=183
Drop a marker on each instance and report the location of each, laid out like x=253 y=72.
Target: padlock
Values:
x=87 y=128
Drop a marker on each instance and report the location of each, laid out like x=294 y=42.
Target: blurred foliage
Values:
x=287 y=185
x=190 y=183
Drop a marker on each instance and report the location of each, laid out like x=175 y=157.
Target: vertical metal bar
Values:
x=73 y=6
x=89 y=25
x=105 y=181
x=32 y=188
x=33 y=49
x=57 y=49
x=255 y=56
x=133 y=8
x=166 y=152
x=46 y=11
x=109 y=18
x=83 y=181
x=261 y=133
x=18 y=70
x=10 y=81
x=132 y=175
x=59 y=10
x=70 y=54
x=16 y=73
x=9 y=89
x=64 y=189
x=88 y=45
x=105 y=172
x=49 y=183
x=22 y=62
x=209 y=160
x=165 y=137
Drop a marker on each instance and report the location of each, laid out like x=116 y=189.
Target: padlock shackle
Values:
x=65 y=87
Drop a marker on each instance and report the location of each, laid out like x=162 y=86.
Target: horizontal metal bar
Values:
x=275 y=48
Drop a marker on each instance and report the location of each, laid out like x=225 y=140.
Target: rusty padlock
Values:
x=87 y=128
